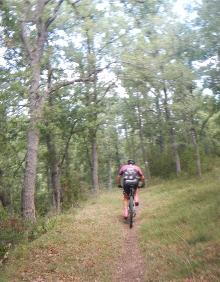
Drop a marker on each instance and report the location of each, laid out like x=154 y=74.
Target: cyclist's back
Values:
x=130 y=175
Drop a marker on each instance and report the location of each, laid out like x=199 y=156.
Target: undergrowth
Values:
x=15 y=231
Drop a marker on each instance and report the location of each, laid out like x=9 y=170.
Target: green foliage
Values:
x=74 y=190
x=11 y=232
x=130 y=109
x=162 y=165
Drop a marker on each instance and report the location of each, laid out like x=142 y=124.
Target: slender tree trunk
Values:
x=109 y=173
x=172 y=135
x=160 y=138
x=95 y=178
x=54 y=174
x=93 y=117
x=49 y=184
x=197 y=153
x=117 y=154
x=175 y=151
x=143 y=150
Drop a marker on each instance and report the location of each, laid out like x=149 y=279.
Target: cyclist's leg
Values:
x=125 y=210
x=136 y=196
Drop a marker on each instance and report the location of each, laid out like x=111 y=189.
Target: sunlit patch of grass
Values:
x=180 y=225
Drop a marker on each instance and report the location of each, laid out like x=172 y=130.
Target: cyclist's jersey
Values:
x=130 y=175
x=124 y=168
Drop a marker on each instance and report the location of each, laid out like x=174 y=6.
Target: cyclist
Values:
x=130 y=175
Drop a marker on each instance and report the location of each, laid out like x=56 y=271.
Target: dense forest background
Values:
x=87 y=84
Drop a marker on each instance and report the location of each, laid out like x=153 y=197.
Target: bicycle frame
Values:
x=131 y=206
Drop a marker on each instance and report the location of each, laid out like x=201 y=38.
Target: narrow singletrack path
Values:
x=90 y=244
x=130 y=265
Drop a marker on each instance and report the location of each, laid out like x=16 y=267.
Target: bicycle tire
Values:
x=131 y=211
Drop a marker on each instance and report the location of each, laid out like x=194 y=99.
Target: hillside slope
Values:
x=79 y=248
x=180 y=231
x=177 y=230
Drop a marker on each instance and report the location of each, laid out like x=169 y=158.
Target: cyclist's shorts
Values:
x=126 y=191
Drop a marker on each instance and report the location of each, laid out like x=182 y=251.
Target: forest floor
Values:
x=175 y=238
x=92 y=243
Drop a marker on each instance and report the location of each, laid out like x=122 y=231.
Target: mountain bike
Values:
x=131 y=206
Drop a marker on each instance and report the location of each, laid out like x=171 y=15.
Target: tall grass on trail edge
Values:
x=83 y=246
x=180 y=232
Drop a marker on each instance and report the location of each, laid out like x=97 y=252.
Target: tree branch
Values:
x=89 y=78
x=25 y=40
x=53 y=17
x=67 y=144
x=111 y=41
x=59 y=85
x=205 y=122
x=106 y=91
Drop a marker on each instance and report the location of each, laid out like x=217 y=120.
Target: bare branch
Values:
x=25 y=39
x=59 y=85
x=106 y=91
x=67 y=144
x=53 y=17
x=206 y=121
x=111 y=41
x=48 y=1
x=89 y=78
x=73 y=4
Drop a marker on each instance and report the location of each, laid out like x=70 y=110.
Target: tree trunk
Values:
x=95 y=178
x=110 y=174
x=5 y=200
x=160 y=138
x=172 y=135
x=34 y=48
x=175 y=151
x=197 y=153
x=35 y=111
x=28 y=191
x=54 y=174
x=143 y=150
x=55 y=179
x=117 y=153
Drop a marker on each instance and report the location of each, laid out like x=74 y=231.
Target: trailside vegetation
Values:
x=178 y=235
x=85 y=85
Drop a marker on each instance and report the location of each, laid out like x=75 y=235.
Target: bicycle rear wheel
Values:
x=131 y=211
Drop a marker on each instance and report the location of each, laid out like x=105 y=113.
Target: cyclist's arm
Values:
x=118 y=179
x=142 y=178
x=140 y=173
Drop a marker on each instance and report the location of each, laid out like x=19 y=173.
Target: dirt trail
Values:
x=130 y=266
x=76 y=250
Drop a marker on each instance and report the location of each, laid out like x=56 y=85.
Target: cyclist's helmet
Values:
x=131 y=162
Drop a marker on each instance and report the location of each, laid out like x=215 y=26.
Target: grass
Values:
x=83 y=246
x=181 y=229
x=179 y=236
